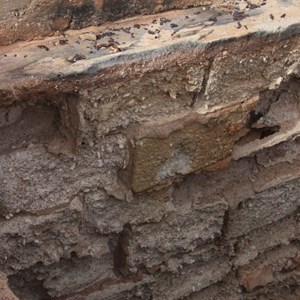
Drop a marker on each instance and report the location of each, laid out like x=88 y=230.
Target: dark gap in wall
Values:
x=27 y=287
x=225 y=225
x=257 y=125
x=267 y=131
x=258 y=134
x=21 y=126
x=254 y=117
x=121 y=252
x=54 y=124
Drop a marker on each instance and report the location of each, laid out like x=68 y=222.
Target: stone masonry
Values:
x=153 y=157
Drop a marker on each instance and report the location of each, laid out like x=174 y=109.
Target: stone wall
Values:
x=154 y=158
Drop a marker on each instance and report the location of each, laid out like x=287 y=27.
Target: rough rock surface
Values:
x=154 y=158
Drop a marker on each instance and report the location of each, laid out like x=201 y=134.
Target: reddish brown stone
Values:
x=5 y=292
x=257 y=277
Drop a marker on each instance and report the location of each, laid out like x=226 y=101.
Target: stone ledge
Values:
x=31 y=66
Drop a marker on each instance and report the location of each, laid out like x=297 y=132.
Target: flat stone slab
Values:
x=124 y=49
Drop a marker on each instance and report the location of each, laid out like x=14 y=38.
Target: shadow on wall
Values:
x=274 y=120
x=116 y=9
x=57 y=127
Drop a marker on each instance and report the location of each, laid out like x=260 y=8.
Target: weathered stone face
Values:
x=177 y=148
x=151 y=158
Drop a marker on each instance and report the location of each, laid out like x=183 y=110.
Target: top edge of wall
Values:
x=22 y=20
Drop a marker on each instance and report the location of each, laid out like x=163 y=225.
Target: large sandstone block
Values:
x=180 y=147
